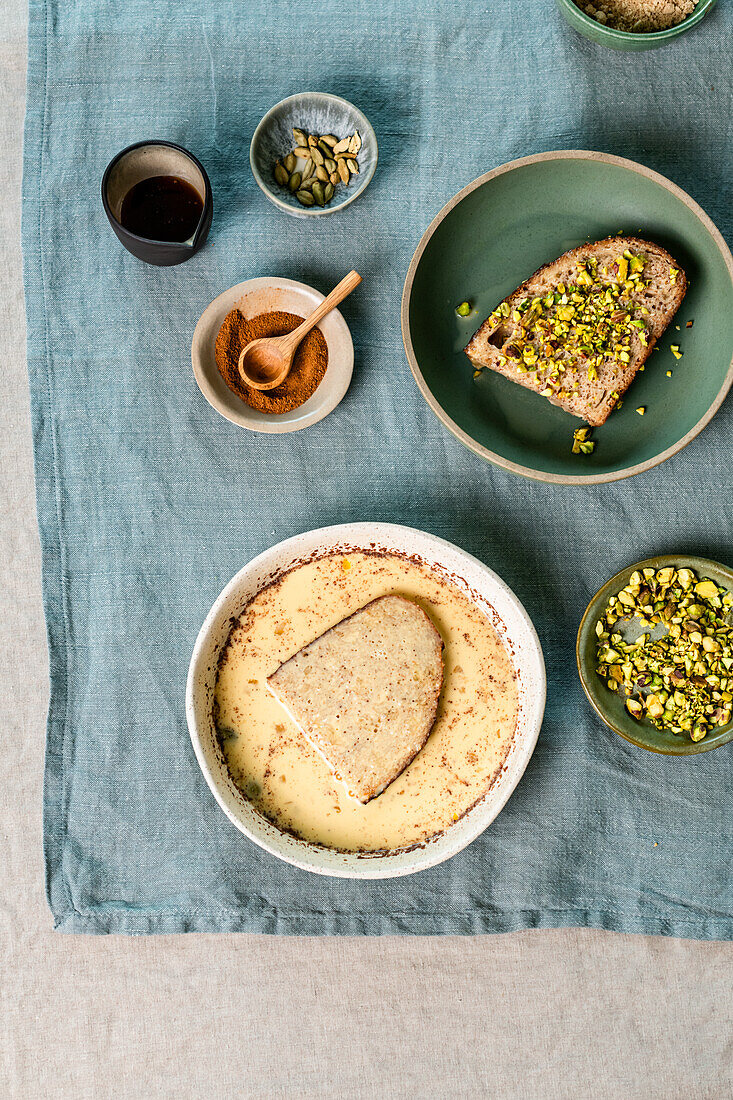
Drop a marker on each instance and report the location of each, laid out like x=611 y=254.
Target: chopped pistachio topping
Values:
x=675 y=349
x=641 y=410
x=683 y=680
x=582 y=443
x=463 y=309
x=576 y=326
x=690 y=324
x=673 y=273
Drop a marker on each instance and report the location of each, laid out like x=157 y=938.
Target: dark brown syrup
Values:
x=162 y=208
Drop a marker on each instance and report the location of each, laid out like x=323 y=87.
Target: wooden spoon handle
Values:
x=342 y=290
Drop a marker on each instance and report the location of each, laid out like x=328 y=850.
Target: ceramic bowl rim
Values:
x=452 y=426
x=611 y=586
x=208 y=194
x=365 y=178
x=651 y=37
x=464 y=831
x=274 y=425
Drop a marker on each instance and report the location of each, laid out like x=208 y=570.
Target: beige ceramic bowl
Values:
x=264 y=296
x=486 y=589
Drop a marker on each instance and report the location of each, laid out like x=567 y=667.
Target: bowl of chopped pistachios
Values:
x=313 y=154
x=655 y=654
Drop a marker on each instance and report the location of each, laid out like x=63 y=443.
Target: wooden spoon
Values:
x=265 y=363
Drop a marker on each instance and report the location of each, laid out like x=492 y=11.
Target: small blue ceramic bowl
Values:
x=316 y=113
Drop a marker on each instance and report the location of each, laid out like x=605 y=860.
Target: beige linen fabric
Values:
x=535 y=1014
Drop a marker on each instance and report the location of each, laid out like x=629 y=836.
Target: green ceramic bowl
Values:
x=493 y=235
x=610 y=707
x=624 y=40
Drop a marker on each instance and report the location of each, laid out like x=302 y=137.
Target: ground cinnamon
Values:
x=306 y=373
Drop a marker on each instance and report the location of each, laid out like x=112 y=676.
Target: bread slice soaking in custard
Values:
x=365 y=693
x=581 y=327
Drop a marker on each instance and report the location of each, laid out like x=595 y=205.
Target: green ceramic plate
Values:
x=610 y=707
x=493 y=235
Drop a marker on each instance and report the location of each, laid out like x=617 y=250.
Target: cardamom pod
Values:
x=305 y=198
x=302 y=151
x=317 y=155
x=309 y=170
x=294 y=181
x=330 y=165
x=312 y=140
x=322 y=174
x=341 y=146
x=355 y=143
x=342 y=170
x=353 y=167
x=330 y=139
x=318 y=193
x=289 y=162
x=334 y=177
x=281 y=174
x=301 y=138
x=306 y=185
x=328 y=192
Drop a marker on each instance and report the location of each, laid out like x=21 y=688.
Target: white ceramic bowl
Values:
x=264 y=296
x=486 y=589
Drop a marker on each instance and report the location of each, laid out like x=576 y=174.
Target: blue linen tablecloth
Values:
x=148 y=501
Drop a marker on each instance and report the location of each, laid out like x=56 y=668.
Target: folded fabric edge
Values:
x=42 y=419
x=137 y=923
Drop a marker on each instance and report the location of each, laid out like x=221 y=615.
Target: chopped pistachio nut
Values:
x=641 y=410
x=682 y=681
x=690 y=324
x=581 y=442
x=675 y=349
x=673 y=273
x=669 y=374
x=576 y=327
x=463 y=309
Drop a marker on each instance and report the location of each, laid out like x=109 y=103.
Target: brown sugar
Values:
x=306 y=373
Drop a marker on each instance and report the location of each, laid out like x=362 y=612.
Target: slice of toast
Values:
x=365 y=693
x=581 y=327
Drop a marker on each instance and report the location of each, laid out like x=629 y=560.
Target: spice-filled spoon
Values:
x=265 y=363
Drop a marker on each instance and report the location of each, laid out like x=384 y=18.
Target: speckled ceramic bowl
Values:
x=316 y=113
x=492 y=596
x=627 y=40
x=610 y=707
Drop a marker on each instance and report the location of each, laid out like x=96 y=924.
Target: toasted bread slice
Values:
x=582 y=326
x=365 y=693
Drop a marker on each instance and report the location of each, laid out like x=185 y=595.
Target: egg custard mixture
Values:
x=288 y=781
